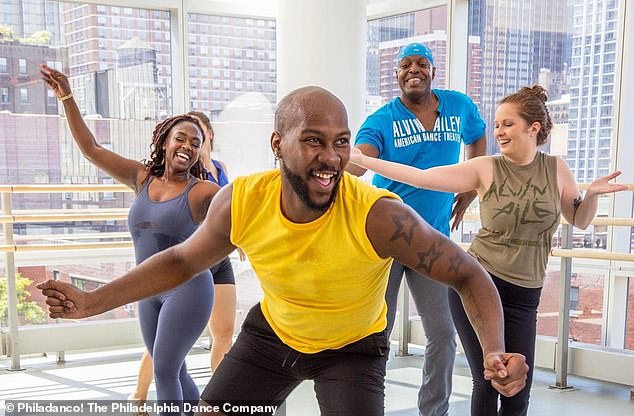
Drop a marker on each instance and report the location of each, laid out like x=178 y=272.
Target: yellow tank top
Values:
x=324 y=285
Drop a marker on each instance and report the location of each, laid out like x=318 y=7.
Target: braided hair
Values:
x=156 y=164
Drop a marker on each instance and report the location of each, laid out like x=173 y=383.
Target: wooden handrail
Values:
x=109 y=214
x=614 y=221
x=59 y=216
x=66 y=211
x=69 y=217
x=106 y=245
x=624 y=222
x=57 y=188
x=591 y=254
x=75 y=236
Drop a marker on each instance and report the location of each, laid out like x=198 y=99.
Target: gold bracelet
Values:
x=66 y=97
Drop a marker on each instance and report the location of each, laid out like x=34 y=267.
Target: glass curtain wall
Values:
x=569 y=47
x=118 y=60
x=387 y=35
x=120 y=64
x=233 y=79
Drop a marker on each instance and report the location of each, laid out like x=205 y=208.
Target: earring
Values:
x=276 y=155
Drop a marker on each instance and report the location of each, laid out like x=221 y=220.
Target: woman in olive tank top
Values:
x=522 y=194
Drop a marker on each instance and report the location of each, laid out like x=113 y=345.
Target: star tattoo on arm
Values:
x=427 y=258
x=454 y=263
x=405 y=227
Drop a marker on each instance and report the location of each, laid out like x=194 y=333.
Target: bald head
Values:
x=311 y=141
x=300 y=104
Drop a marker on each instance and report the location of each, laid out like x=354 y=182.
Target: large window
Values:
x=555 y=44
x=569 y=48
x=123 y=92
x=121 y=80
x=243 y=63
x=233 y=79
x=387 y=35
x=120 y=62
x=586 y=304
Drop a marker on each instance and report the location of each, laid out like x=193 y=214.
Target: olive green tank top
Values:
x=519 y=215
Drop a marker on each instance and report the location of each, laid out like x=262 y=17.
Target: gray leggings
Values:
x=433 y=307
x=171 y=323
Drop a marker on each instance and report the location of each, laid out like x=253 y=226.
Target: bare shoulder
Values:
x=143 y=174
x=203 y=190
x=223 y=196
x=566 y=183
x=482 y=166
x=391 y=223
x=562 y=166
x=564 y=175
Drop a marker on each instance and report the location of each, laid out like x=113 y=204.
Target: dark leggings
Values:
x=171 y=323
x=260 y=369
x=519 y=305
x=222 y=273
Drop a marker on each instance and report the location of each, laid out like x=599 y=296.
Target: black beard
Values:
x=301 y=189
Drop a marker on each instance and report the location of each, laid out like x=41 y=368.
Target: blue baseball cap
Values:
x=415 y=49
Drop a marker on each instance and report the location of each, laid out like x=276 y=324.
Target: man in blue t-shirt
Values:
x=424 y=127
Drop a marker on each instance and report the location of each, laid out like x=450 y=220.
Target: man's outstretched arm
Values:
x=395 y=230
x=175 y=265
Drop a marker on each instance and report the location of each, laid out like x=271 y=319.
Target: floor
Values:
x=111 y=375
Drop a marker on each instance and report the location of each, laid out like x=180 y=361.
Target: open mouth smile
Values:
x=325 y=179
x=183 y=156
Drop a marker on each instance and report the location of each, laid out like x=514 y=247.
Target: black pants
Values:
x=259 y=368
x=519 y=305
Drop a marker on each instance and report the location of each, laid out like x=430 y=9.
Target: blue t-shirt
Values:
x=400 y=137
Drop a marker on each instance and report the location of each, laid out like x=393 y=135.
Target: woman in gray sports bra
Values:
x=223 y=315
x=170 y=203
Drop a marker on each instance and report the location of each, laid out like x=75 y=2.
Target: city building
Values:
x=21 y=89
x=132 y=63
x=25 y=18
x=518 y=41
x=592 y=87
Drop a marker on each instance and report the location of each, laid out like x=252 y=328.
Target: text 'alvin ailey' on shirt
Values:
x=411 y=131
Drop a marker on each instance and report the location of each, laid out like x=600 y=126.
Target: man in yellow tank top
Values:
x=321 y=243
